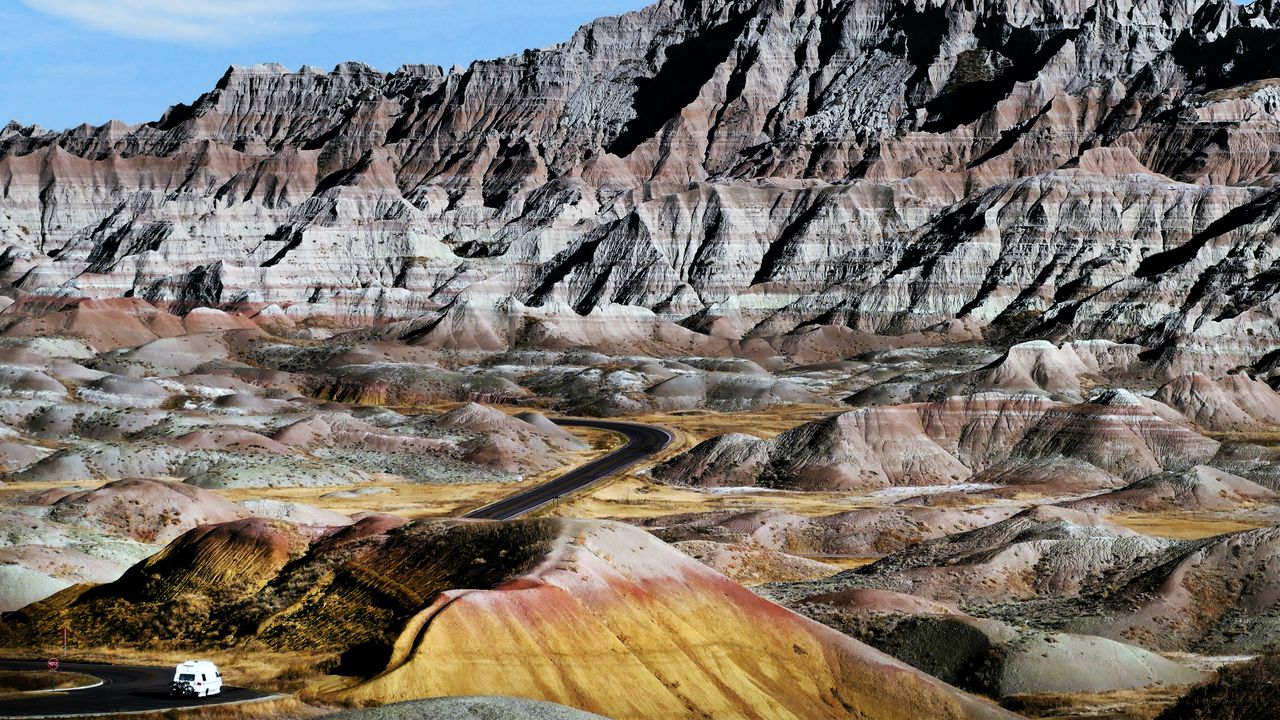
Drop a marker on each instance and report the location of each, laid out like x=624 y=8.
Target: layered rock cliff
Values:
x=757 y=168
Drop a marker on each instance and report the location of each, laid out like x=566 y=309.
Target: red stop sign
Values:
x=53 y=663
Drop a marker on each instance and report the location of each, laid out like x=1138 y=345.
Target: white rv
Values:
x=196 y=678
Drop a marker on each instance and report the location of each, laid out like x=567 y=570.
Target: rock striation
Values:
x=739 y=170
x=1066 y=569
x=600 y=616
x=988 y=438
x=990 y=656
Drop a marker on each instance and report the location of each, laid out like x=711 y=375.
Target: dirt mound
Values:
x=600 y=615
x=1024 y=442
x=21 y=585
x=264 y=471
x=478 y=418
x=1039 y=366
x=124 y=391
x=1053 y=476
x=144 y=510
x=1199 y=488
x=297 y=513
x=476 y=321
x=410 y=384
x=87 y=462
x=26 y=382
x=863 y=449
x=752 y=564
x=588 y=383
x=15 y=456
x=222 y=561
x=1061 y=569
x=338 y=430
x=103 y=324
x=1116 y=432
x=995 y=658
x=98 y=460
x=857 y=533
x=1219 y=595
x=181 y=355
x=48 y=556
x=207 y=320
x=1234 y=403
x=491 y=438
x=982 y=428
x=733 y=460
x=29 y=573
x=544 y=425
x=1042 y=552
x=230 y=439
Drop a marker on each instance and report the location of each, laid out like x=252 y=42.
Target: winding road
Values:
x=140 y=689
x=642 y=441
x=124 y=689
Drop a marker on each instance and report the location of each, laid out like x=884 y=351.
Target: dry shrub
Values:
x=21 y=681
x=1247 y=691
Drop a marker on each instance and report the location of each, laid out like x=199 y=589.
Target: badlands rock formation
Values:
x=1200 y=488
x=1041 y=552
x=1018 y=258
x=1235 y=402
x=856 y=533
x=990 y=656
x=597 y=615
x=109 y=455
x=713 y=176
x=1065 y=570
x=991 y=438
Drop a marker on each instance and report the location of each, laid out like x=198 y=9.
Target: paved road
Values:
x=131 y=689
x=123 y=689
x=642 y=441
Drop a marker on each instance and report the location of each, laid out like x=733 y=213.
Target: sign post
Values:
x=66 y=635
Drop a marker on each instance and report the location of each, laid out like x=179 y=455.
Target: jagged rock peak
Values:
x=1056 y=169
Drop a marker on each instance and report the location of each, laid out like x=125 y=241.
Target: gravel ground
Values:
x=469 y=708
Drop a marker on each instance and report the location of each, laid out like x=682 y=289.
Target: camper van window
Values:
x=202 y=677
x=186 y=676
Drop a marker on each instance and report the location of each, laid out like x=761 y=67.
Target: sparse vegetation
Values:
x=1238 y=92
x=1184 y=526
x=1244 y=691
x=1143 y=704
x=14 y=681
x=248 y=666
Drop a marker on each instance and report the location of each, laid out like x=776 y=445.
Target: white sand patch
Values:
x=899 y=493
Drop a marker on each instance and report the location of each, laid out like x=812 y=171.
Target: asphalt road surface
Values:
x=642 y=441
x=123 y=689
x=132 y=689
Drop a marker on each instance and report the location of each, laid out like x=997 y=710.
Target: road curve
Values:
x=142 y=689
x=124 y=689
x=642 y=441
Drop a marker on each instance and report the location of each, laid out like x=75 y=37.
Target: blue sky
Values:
x=64 y=62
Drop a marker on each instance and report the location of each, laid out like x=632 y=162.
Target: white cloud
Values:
x=202 y=21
